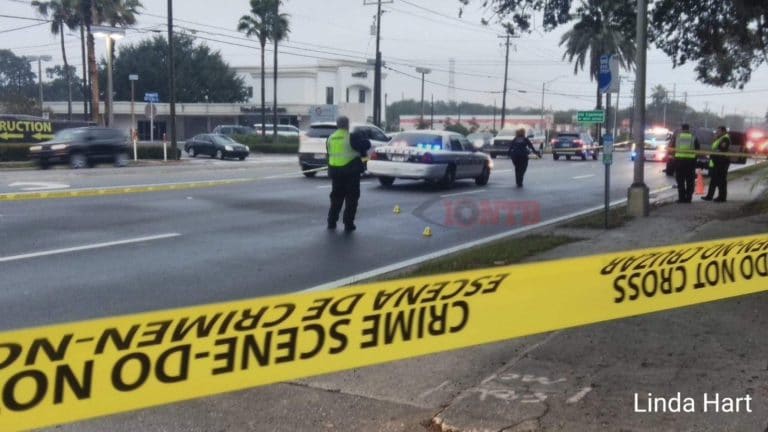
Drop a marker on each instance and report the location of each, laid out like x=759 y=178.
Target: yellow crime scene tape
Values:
x=114 y=190
x=69 y=372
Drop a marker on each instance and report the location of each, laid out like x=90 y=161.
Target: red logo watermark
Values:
x=467 y=212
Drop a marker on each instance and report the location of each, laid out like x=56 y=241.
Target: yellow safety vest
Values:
x=340 y=151
x=684 y=146
x=716 y=147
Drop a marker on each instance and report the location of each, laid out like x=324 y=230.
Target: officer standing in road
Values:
x=718 y=167
x=345 y=166
x=682 y=147
x=518 y=152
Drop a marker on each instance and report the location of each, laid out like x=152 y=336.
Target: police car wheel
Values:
x=386 y=181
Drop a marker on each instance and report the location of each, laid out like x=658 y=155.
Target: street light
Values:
x=110 y=34
x=422 y=71
x=39 y=60
x=543 y=89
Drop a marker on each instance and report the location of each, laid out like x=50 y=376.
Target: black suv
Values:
x=83 y=147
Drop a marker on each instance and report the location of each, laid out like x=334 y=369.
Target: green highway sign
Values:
x=596 y=116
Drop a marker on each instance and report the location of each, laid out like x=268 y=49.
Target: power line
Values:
x=23 y=27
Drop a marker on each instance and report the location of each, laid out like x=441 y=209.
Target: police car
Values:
x=436 y=156
x=655 y=143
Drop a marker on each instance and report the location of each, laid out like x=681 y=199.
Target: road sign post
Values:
x=607 y=161
x=152 y=98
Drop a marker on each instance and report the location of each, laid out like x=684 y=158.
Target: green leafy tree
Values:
x=17 y=84
x=200 y=72
x=60 y=86
x=726 y=39
x=262 y=24
x=62 y=13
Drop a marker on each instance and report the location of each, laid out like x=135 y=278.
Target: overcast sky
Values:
x=423 y=33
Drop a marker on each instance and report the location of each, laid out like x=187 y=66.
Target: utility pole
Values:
x=172 y=79
x=506 y=74
x=494 y=114
x=422 y=71
x=432 y=113
x=378 y=66
x=638 y=203
x=685 y=106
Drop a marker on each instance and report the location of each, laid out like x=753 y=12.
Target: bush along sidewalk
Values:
x=259 y=144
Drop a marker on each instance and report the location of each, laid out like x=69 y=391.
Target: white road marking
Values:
x=502 y=171
x=86 y=247
x=579 y=396
x=583 y=176
x=432 y=390
x=38 y=186
x=324 y=187
x=463 y=193
x=277 y=176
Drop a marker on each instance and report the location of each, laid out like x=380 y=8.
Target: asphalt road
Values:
x=80 y=258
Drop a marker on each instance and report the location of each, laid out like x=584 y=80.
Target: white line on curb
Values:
x=86 y=247
x=583 y=176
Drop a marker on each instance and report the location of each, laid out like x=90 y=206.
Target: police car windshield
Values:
x=658 y=136
x=321 y=131
x=415 y=139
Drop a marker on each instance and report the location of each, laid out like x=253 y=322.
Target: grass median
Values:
x=498 y=253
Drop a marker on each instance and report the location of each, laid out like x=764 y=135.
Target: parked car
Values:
x=571 y=144
x=232 y=130
x=82 y=147
x=705 y=137
x=217 y=146
x=313 y=152
x=481 y=140
x=757 y=141
x=501 y=142
x=656 y=141
x=282 y=130
x=435 y=156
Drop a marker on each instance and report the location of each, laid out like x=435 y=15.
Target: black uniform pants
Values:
x=718 y=179
x=521 y=165
x=685 y=174
x=345 y=192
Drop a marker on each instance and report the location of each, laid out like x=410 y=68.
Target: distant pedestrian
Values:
x=345 y=165
x=518 y=152
x=718 y=167
x=683 y=146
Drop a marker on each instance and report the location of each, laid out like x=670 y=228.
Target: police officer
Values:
x=718 y=167
x=683 y=146
x=518 y=152
x=345 y=165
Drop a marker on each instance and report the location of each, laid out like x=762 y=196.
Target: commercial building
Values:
x=305 y=94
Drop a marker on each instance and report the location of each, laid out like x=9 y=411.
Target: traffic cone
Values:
x=699 y=183
x=427 y=232
x=396 y=210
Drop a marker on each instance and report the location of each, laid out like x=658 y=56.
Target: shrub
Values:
x=152 y=151
x=259 y=144
x=14 y=152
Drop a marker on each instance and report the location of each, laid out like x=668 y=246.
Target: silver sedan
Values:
x=436 y=156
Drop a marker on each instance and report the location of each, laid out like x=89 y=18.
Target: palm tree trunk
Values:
x=67 y=72
x=93 y=71
x=85 y=73
x=263 y=100
x=274 y=98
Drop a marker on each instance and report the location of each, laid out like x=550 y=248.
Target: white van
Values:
x=313 y=152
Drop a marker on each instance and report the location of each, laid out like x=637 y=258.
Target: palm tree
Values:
x=280 y=30
x=63 y=13
x=604 y=27
x=260 y=23
x=96 y=12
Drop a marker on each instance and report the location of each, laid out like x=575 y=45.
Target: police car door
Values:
x=458 y=156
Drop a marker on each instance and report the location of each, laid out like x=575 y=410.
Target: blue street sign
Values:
x=604 y=73
x=151 y=97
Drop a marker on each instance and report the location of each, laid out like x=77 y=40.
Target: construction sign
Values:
x=28 y=129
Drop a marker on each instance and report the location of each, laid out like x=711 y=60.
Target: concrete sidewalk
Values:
x=582 y=379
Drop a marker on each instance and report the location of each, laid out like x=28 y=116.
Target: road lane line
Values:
x=583 y=176
x=579 y=396
x=463 y=193
x=87 y=247
x=502 y=171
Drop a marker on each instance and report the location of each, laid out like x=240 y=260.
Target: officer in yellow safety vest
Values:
x=718 y=167
x=345 y=165
x=682 y=148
